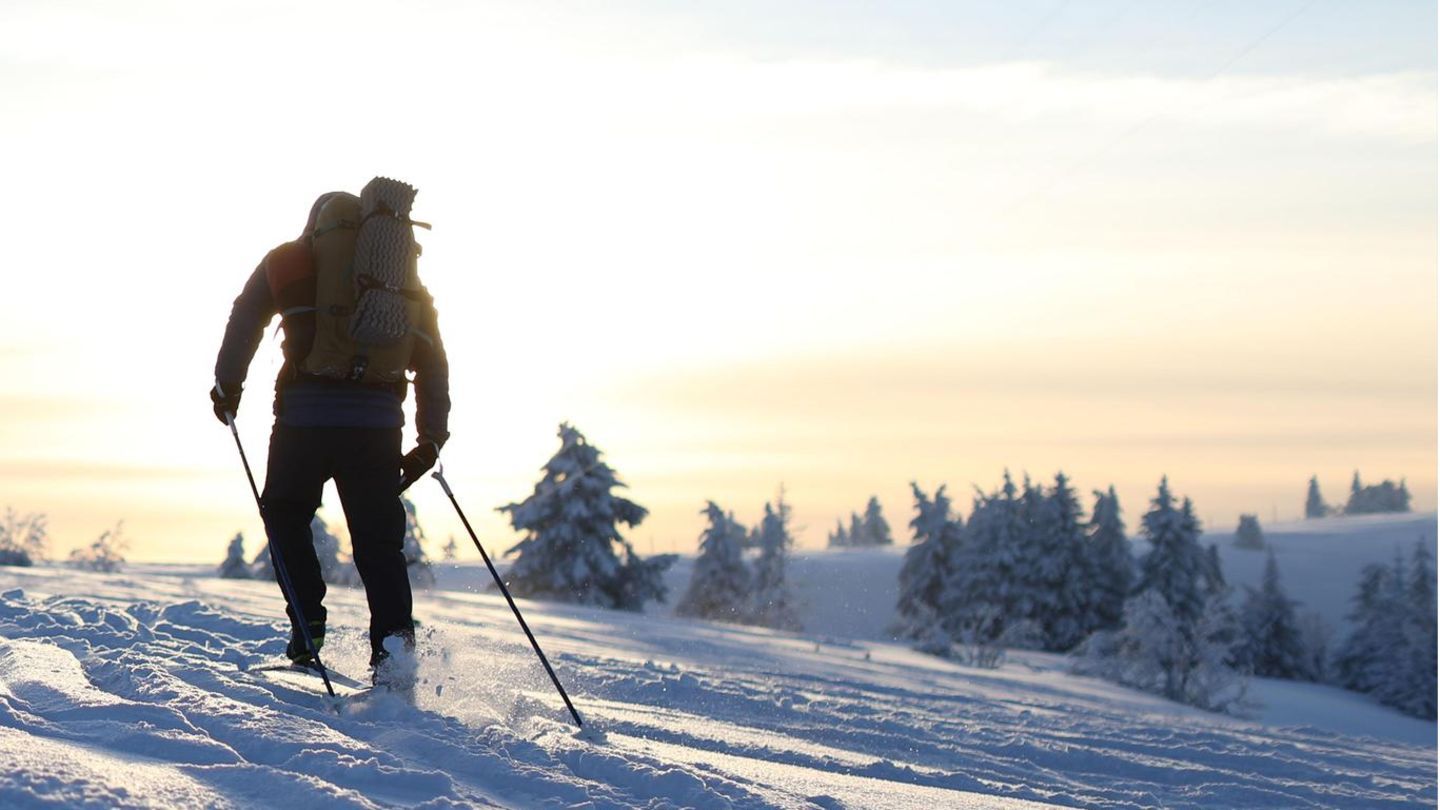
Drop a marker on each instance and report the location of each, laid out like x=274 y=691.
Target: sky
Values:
x=834 y=247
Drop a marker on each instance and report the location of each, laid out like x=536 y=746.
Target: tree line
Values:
x=1027 y=569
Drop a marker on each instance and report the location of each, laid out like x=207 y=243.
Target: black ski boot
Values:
x=296 y=650
x=393 y=665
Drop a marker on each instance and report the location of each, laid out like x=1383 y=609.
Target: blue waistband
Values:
x=328 y=405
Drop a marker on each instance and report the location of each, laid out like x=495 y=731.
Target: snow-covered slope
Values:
x=1320 y=560
x=128 y=690
x=851 y=593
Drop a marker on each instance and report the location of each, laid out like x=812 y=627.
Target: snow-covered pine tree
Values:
x=1179 y=632
x=1110 y=563
x=857 y=531
x=1391 y=653
x=981 y=601
x=720 y=583
x=572 y=532
x=1034 y=586
x=334 y=569
x=1385 y=496
x=234 y=565
x=417 y=562
x=1064 y=568
x=1315 y=506
x=1176 y=567
x=1214 y=570
x=1394 y=670
x=874 y=525
x=1248 y=534
x=1272 y=645
x=262 y=567
x=839 y=538
x=1416 y=683
x=1159 y=651
x=774 y=604
x=926 y=572
x=1361 y=659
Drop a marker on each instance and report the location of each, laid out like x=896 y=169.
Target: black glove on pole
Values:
x=439 y=475
x=281 y=573
x=416 y=462
x=227 y=403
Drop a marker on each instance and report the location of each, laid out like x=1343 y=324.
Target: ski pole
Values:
x=439 y=475
x=281 y=573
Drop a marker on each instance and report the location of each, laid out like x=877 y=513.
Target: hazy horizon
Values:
x=838 y=248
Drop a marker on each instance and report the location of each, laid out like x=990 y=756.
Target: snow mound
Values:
x=140 y=694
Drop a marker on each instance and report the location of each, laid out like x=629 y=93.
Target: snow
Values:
x=129 y=689
x=1320 y=559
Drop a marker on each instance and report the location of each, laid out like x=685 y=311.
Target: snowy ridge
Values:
x=135 y=695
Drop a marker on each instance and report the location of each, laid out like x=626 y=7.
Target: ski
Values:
x=308 y=678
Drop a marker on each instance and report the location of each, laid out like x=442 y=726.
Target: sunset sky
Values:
x=838 y=246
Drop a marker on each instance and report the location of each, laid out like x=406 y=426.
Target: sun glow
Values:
x=830 y=269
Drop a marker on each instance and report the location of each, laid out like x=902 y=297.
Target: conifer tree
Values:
x=262 y=567
x=720 y=583
x=983 y=598
x=1065 y=571
x=927 y=572
x=417 y=560
x=857 y=531
x=1315 y=506
x=1176 y=567
x=1248 y=534
x=234 y=566
x=1359 y=662
x=1273 y=645
x=839 y=538
x=1110 y=563
x=1416 y=690
x=1391 y=653
x=876 y=529
x=572 y=547
x=334 y=569
x=1214 y=576
x=1158 y=651
x=774 y=604
x=1178 y=632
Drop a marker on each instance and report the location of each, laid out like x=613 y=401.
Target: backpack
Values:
x=367 y=296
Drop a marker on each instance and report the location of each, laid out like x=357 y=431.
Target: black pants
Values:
x=365 y=463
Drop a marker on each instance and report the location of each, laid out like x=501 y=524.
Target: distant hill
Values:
x=851 y=593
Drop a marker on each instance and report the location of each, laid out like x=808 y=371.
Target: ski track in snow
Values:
x=135 y=695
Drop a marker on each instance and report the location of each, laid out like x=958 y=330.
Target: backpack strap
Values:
x=367 y=282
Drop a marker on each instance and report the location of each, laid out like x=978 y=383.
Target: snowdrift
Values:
x=132 y=690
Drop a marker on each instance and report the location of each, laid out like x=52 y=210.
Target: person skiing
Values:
x=338 y=398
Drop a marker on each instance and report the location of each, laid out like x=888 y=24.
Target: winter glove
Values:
x=227 y=400
x=417 y=462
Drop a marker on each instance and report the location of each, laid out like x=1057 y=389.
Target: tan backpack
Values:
x=367 y=288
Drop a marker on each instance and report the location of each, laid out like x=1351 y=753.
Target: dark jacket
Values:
x=304 y=400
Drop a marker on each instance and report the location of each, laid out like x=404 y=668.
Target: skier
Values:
x=338 y=399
